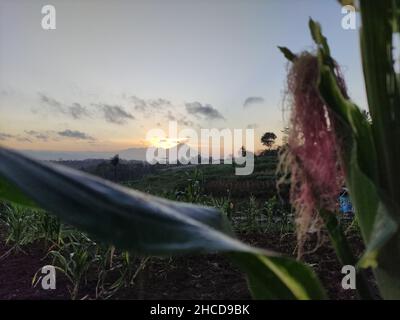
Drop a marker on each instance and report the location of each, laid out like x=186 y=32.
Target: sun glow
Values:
x=165 y=143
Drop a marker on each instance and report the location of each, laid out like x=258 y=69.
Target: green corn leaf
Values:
x=344 y=252
x=320 y=40
x=287 y=53
x=379 y=24
x=358 y=154
x=150 y=225
x=383 y=231
x=266 y=275
x=382 y=89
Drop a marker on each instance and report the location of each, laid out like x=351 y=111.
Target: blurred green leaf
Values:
x=277 y=277
x=10 y=192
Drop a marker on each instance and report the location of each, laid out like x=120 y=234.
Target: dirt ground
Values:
x=209 y=276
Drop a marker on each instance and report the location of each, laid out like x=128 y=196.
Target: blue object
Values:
x=345 y=203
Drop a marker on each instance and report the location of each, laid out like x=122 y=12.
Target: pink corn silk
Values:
x=316 y=174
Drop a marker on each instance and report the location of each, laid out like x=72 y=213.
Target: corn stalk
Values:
x=370 y=151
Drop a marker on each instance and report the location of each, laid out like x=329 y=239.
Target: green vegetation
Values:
x=218 y=180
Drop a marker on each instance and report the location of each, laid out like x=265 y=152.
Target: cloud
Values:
x=170 y=116
x=115 y=114
x=139 y=104
x=50 y=101
x=38 y=135
x=45 y=136
x=5 y=136
x=252 y=126
x=75 y=111
x=23 y=139
x=182 y=120
x=162 y=107
x=206 y=110
x=142 y=105
x=158 y=103
x=75 y=134
x=250 y=101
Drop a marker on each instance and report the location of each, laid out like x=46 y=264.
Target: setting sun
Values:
x=165 y=143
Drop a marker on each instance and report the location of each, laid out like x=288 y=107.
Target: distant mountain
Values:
x=133 y=154
x=128 y=154
x=138 y=154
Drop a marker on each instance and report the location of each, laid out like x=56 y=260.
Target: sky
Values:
x=113 y=70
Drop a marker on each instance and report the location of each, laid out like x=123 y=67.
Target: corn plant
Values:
x=128 y=269
x=124 y=265
x=74 y=261
x=338 y=141
x=252 y=215
x=277 y=215
x=105 y=257
x=18 y=221
x=48 y=228
x=193 y=190
x=224 y=204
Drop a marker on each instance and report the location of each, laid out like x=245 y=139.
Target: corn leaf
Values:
x=287 y=53
x=383 y=93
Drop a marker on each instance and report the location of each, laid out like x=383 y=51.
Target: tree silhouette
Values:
x=243 y=151
x=114 y=162
x=268 y=139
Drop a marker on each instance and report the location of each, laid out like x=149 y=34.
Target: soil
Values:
x=209 y=276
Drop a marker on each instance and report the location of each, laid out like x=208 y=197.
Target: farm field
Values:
x=98 y=271
x=189 y=277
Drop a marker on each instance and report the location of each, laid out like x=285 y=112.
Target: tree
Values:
x=268 y=139
x=114 y=162
x=243 y=151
